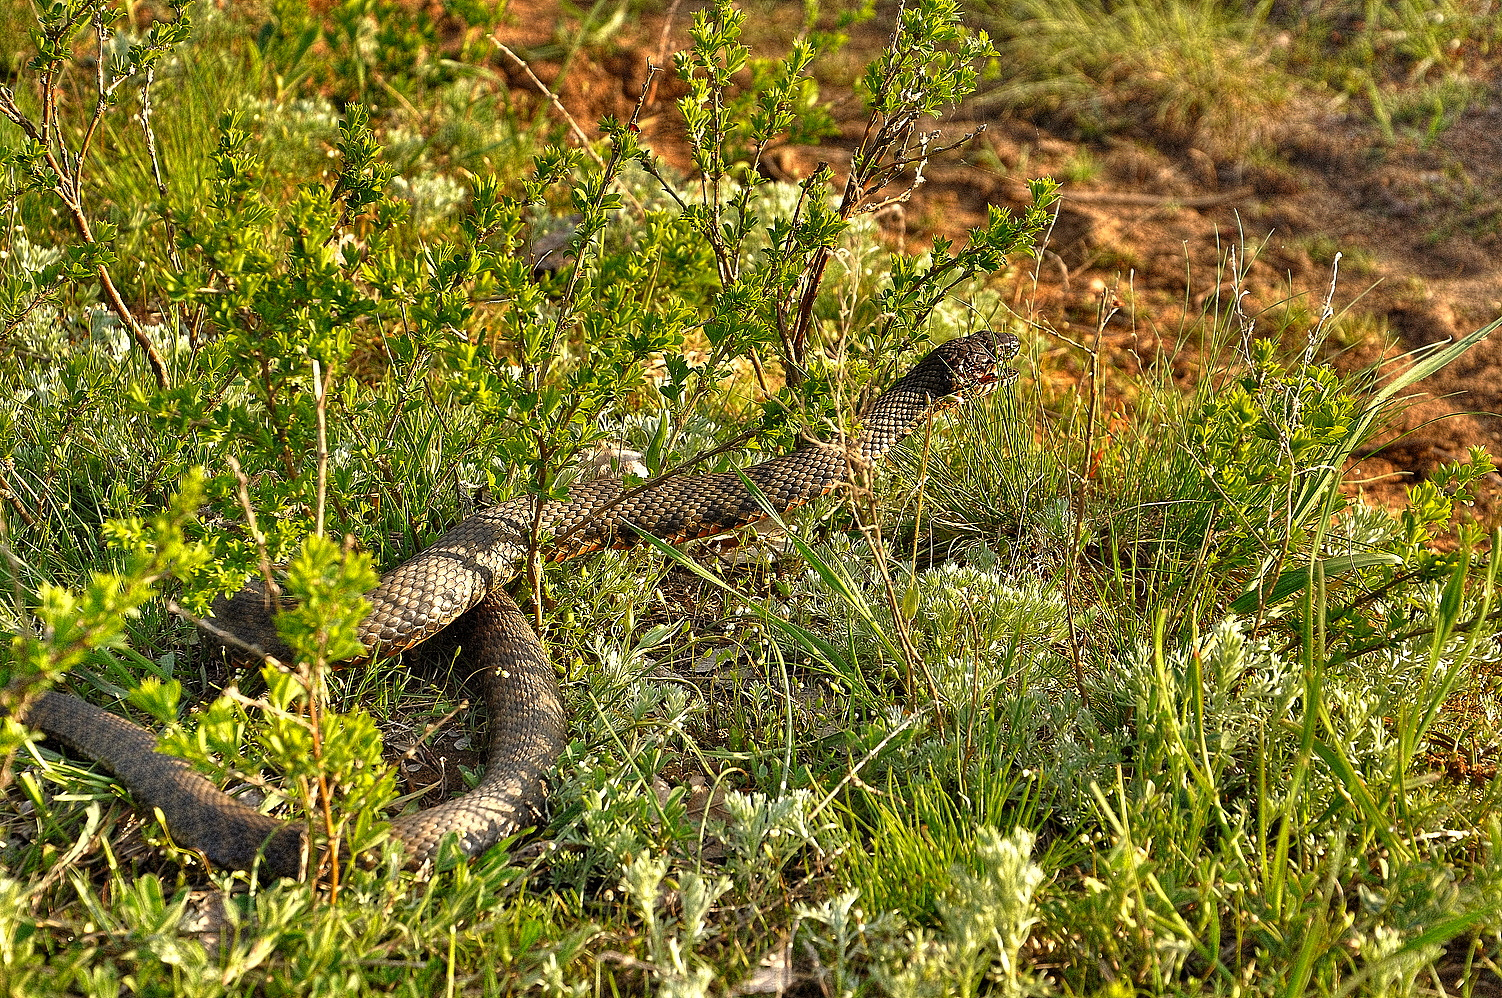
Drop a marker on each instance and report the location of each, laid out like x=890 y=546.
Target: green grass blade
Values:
x=1293 y=581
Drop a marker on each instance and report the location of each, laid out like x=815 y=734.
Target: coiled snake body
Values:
x=462 y=574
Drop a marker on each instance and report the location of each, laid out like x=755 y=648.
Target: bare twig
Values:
x=579 y=133
x=242 y=492
x=878 y=161
x=1081 y=496
x=663 y=41
x=552 y=98
x=102 y=91
x=907 y=722
x=9 y=495
x=320 y=409
x=156 y=167
x=1155 y=200
x=227 y=638
x=70 y=197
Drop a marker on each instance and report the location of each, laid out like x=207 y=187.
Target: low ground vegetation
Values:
x=1069 y=702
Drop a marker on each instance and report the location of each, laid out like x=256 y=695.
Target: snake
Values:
x=459 y=578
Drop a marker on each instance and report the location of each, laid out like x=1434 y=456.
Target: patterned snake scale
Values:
x=461 y=575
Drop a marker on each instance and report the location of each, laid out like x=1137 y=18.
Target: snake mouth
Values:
x=978 y=388
x=992 y=380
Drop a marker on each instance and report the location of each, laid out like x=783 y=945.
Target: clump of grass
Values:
x=1355 y=264
x=1183 y=72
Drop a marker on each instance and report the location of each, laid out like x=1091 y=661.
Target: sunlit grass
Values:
x=1179 y=72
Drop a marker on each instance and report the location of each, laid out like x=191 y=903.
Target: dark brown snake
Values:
x=461 y=574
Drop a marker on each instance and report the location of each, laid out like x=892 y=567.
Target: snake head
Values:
x=968 y=367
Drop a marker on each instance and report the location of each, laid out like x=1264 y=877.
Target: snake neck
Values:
x=896 y=413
